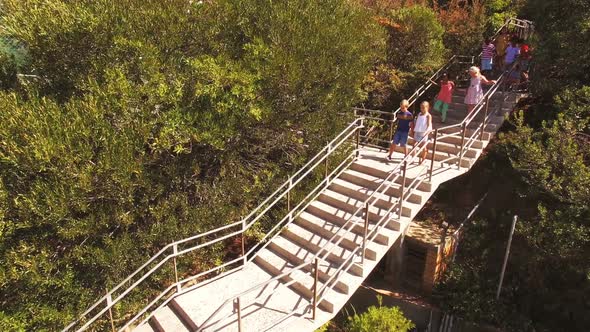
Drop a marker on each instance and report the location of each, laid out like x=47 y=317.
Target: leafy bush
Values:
x=464 y=25
x=8 y=71
x=413 y=49
x=417 y=44
x=385 y=319
x=153 y=121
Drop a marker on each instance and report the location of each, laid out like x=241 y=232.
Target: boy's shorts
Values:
x=400 y=138
x=486 y=64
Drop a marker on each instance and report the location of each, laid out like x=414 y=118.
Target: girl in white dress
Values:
x=475 y=92
x=422 y=127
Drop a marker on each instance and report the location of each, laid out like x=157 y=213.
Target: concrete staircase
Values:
x=284 y=304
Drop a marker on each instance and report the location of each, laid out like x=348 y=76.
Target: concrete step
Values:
x=301 y=281
x=261 y=309
x=301 y=244
x=446 y=147
x=311 y=241
x=339 y=217
x=362 y=194
x=456 y=141
x=327 y=230
x=372 y=168
x=292 y=260
x=352 y=181
x=167 y=319
x=352 y=205
x=459 y=95
x=457 y=133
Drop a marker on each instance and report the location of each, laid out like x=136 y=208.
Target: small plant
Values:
x=383 y=319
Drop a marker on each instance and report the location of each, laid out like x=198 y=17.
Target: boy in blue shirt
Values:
x=403 y=128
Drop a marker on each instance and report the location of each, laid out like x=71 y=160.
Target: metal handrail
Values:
x=326 y=151
x=324 y=253
x=162 y=256
x=291 y=218
x=369 y=203
x=412 y=154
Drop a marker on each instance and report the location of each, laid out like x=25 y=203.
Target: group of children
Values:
x=406 y=125
x=423 y=122
x=502 y=54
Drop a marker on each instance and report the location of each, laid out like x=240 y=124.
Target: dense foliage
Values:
x=379 y=318
x=140 y=122
x=543 y=162
x=414 y=48
x=143 y=122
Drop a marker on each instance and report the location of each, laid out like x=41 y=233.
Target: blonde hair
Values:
x=474 y=69
x=405 y=103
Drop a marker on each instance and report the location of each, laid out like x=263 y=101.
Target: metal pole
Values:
x=175 y=250
x=462 y=144
x=289 y=194
x=365 y=233
x=239 y=309
x=109 y=303
x=433 y=153
x=401 y=198
x=244 y=240
x=358 y=141
x=485 y=116
x=315 y=287
x=506 y=257
x=326 y=165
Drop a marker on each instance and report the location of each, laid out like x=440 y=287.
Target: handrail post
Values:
x=289 y=194
x=175 y=251
x=433 y=153
x=315 y=287
x=485 y=116
x=366 y=229
x=109 y=303
x=401 y=198
x=239 y=311
x=326 y=165
x=358 y=140
x=244 y=241
x=462 y=144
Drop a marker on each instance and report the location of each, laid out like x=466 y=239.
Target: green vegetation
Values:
x=386 y=319
x=140 y=122
x=540 y=170
x=151 y=121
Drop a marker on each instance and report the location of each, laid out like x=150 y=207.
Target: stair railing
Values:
x=164 y=255
x=335 y=241
x=425 y=175
x=170 y=253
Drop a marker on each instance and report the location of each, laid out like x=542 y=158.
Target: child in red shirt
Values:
x=443 y=99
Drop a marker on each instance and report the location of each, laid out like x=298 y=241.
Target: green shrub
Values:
x=383 y=319
x=152 y=121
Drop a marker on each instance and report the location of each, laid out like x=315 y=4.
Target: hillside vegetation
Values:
x=133 y=123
